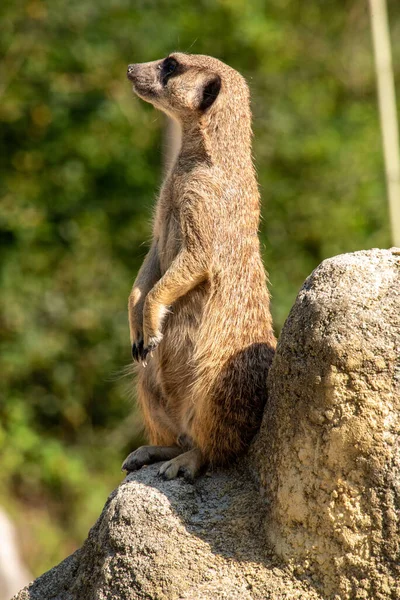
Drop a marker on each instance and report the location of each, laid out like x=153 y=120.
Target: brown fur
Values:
x=200 y=301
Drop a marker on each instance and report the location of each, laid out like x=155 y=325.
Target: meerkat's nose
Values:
x=131 y=71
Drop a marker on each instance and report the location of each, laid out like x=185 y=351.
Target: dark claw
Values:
x=130 y=465
x=137 y=350
x=141 y=350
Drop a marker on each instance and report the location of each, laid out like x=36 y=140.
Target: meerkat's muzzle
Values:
x=145 y=80
x=130 y=73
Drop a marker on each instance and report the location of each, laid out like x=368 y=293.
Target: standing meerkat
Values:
x=199 y=308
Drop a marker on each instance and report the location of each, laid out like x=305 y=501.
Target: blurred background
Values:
x=81 y=163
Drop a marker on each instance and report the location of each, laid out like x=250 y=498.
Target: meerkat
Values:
x=199 y=311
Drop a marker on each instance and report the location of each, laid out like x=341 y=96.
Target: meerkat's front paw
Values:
x=153 y=318
x=137 y=348
x=151 y=343
x=136 y=331
x=144 y=345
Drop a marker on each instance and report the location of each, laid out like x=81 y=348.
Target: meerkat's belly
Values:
x=176 y=355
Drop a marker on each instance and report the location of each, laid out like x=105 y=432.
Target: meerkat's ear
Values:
x=209 y=92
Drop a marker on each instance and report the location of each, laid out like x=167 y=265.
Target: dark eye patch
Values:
x=169 y=68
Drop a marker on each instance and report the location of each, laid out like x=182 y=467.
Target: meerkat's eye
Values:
x=169 y=66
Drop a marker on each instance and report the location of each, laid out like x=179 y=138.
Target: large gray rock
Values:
x=327 y=462
x=332 y=429
x=166 y=540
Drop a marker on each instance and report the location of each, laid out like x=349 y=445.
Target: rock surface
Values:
x=327 y=461
x=167 y=540
x=332 y=429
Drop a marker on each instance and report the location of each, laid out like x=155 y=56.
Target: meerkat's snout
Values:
x=145 y=80
x=130 y=73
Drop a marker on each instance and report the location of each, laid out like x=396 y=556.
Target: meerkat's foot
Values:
x=189 y=464
x=147 y=455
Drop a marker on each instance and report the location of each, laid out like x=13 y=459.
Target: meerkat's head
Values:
x=186 y=86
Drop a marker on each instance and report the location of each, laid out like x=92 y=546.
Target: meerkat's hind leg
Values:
x=147 y=455
x=189 y=464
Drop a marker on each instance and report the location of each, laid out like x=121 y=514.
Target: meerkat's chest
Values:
x=169 y=234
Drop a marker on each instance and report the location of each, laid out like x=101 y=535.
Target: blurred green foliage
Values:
x=80 y=167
